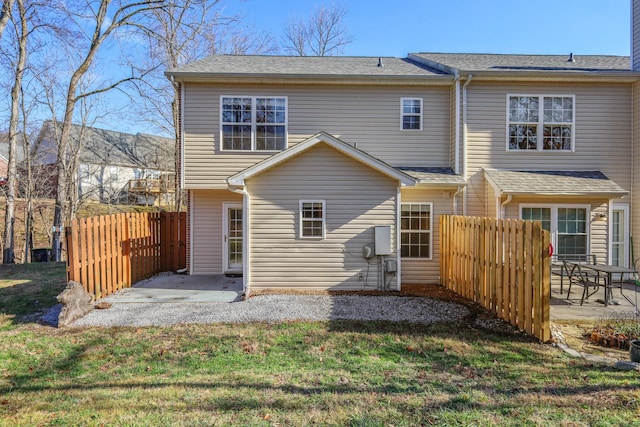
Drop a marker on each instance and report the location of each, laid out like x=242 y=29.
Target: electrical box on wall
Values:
x=390 y=266
x=383 y=240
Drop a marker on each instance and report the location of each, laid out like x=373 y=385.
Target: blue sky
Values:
x=395 y=28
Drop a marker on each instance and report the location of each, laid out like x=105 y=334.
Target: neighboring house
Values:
x=4 y=158
x=298 y=168
x=113 y=166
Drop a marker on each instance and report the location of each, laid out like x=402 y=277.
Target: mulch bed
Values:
x=608 y=338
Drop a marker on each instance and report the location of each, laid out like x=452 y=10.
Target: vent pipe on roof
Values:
x=571 y=58
x=380 y=64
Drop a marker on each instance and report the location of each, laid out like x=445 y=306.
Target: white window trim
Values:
x=254 y=124
x=539 y=148
x=430 y=258
x=114 y=173
x=554 y=218
x=402 y=114
x=324 y=219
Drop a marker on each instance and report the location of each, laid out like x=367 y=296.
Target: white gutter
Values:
x=464 y=139
x=246 y=271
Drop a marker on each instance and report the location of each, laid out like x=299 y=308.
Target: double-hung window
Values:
x=416 y=223
x=411 y=113
x=568 y=225
x=312 y=219
x=253 y=123
x=540 y=123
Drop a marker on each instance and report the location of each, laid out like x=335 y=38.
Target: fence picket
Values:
x=503 y=265
x=111 y=252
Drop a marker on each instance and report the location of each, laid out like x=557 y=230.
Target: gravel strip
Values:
x=279 y=308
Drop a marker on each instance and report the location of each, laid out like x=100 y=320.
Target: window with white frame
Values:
x=540 y=123
x=568 y=225
x=83 y=171
x=312 y=219
x=113 y=173
x=411 y=113
x=416 y=223
x=253 y=123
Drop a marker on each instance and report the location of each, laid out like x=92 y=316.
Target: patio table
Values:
x=608 y=271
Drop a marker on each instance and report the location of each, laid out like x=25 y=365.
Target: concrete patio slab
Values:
x=593 y=308
x=172 y=288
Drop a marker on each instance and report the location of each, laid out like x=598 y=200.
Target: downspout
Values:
x=246 y=271
x=454 y=202
x=464 y=140
x=503 y=205
x=398 y=240
x=456 y=161
x=180 y=173
x=633 y=163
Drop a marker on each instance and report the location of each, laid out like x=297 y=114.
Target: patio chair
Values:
x=579 y=277
x=559 y=268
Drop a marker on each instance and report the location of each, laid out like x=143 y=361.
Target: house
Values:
x=112 y=166
x=332 y=172
x=4 y=157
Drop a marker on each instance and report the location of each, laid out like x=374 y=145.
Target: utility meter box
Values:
x=383 y=239
x=390 y=266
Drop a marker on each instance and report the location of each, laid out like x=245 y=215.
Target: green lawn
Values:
x=301 y=373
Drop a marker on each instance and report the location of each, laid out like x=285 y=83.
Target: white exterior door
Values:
x=232 y=238
x=620 y=235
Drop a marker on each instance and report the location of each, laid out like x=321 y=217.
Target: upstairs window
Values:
x=254 y=123
x=540 y=123
x=411 y=113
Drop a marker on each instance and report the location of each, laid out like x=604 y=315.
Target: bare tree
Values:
x=5 y=13
x=22 y=32
x=322 y=34
x=106 y=17
x=185 y=31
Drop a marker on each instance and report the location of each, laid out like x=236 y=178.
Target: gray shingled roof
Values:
x=474 y=62
x=101 y=146
x=309 y=66
x=433 y=175
x=554 y=183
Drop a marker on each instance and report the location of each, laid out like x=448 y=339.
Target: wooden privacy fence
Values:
x=110 y=252
x=502 y=264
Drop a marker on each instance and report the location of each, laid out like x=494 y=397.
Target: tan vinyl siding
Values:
x=357 y=198
x=602 y=134
x=206 y=239
x=417 y=271
x=367 y=116
x=598 y=229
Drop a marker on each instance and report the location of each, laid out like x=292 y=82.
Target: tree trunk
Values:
x=9 y=219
